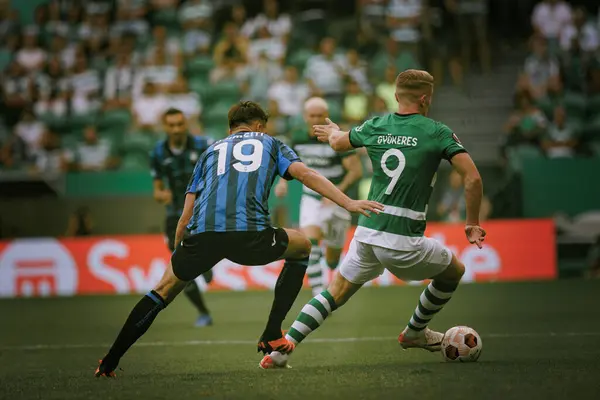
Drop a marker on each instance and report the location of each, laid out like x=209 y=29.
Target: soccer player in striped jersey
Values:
x=406 y=149
x=226 y=213
x=320 y=219
x=171 y=164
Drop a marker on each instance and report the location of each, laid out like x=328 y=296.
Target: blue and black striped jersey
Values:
x=232 y=182
x=175 y=169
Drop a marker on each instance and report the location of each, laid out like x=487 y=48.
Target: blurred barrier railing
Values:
x=515 y=250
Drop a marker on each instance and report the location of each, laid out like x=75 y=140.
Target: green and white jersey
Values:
x=320 y=157
x=406 y=151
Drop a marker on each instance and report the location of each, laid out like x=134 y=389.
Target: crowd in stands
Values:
x=83 y=87
x=557 y=98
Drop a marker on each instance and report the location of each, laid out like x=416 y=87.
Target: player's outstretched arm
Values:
x=317 y=182
x=464 y=165
x=186 y=215
x=338 y=140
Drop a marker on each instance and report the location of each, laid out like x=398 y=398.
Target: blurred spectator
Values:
x=118 y=83
x=63 y=51
x=230 y=55
x=581 y=30
x=356 y=69
x=94 y=25
x=356 y=103
x=52 y=78
x=30 y=131
x=13 y=153
x=148 y=108
x=277 y=124
x=17 y=92
x=279 y=25
x=239 y=17
x=159 y=71
x=74 y=19
x=52 y=105
x=378 y=108
x=55 y=25
x=560 y=139
x=95 y=49
x=9 y=22
x=160 y=43
x=138 y=8
x=85 y=86
x=182 y=98
x=8 y=48
x=260 y=76
x=263 y=43
x=386 y=89
x=80 y=223
x=197 y=11
x=93 y=153
x=289 y=93
x=550 y=17
x=575 y=65
x=31 y=56
x=452 y=206
x=527 y=124
x=391 y=56
x=196 y=21
x=325 y=71
x=51 y=158
x=128 y=22
x=554 y=97
x=404 y=22
x=539 y=68
x=372 y=15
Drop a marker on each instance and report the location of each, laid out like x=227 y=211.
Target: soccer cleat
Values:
x=105 y=370
x=274 y=361
x=204 y=320
x=425 y=339
x=281 y=345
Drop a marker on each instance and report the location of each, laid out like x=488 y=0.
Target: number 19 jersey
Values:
x=406 y=151
x=232 y=181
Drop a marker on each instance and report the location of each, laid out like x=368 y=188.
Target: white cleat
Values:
x=425 y=339
x=275 y=360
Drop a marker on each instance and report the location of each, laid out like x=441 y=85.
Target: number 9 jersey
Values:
x=232 y=182
x=406 y=151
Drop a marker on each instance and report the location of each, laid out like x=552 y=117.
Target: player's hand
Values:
x=166 y=197
x=365 y=207
x=475 y=235
x=281 y=189
x=322 y=132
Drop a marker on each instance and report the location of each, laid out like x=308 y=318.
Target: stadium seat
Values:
x=199 y=66
x=227 y=91
x=116 y=119
x=135 y=161
x=216 y=114
x=575 y=105
x=79 y=121
x=138 y=141
x=299 y=58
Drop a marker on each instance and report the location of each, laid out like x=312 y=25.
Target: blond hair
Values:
x=412 y=84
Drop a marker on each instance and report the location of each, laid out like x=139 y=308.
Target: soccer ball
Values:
x=461 y=343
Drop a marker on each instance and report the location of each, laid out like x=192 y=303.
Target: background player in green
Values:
x=172 y=162
x=320 y=218
x=406 y=149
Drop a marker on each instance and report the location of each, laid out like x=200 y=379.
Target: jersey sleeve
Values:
x=155 y=166
x=449 y=143
x=285 y=157
x=359 y=134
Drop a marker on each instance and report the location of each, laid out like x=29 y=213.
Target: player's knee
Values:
x=304 y=248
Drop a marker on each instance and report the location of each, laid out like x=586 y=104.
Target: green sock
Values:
x=313 y=314
x=432 y=300
x=314 y=270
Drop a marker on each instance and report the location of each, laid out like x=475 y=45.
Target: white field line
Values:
x=34 y=347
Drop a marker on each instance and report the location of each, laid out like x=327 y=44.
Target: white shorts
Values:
x=365 y=262
x=333 y=220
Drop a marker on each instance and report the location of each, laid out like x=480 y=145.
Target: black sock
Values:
x=138 y=322
x=192 y=292
x=287 y=288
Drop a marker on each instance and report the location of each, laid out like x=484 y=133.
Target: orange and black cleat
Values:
x=281 y=345
x=105 y=370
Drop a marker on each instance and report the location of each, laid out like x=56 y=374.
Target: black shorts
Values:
x=170 y=230
x=199 y=253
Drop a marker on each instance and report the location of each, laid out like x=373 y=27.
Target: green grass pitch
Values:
x=540 y=341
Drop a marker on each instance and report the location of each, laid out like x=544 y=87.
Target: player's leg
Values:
x=434 y=261
x=335 y=235
x=288 y=285
x=191 y=291
x=358 y=267
x=310 y=224
x=140 y=319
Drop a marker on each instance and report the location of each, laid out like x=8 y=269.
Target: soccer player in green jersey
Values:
x=320 y=218
x=406 y=149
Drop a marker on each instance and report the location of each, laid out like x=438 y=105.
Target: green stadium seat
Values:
x=227 y=91
x=199 y=66
x=115 y=119
x=79 y=121
x=5 y=57
x=135 y=161
x=593 y=106
x=70 y=140
x=548 y=104
x=138 y=141
x=299 y=58
x=216 y=114
x=575 y=105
